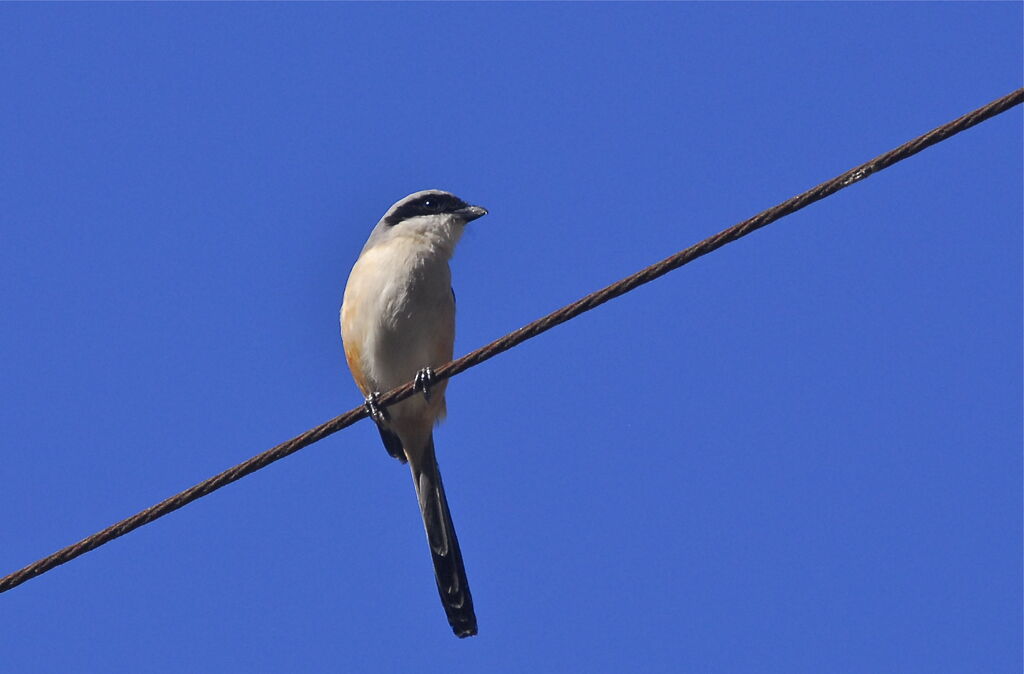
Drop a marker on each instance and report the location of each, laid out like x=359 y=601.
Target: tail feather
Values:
x=452 y=584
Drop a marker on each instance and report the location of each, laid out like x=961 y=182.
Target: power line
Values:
x=519 y=336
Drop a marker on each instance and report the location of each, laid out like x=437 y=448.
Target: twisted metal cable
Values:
x=519 y=336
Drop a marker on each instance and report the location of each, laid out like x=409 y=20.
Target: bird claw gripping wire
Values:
x=423 y=381
x=376 y=413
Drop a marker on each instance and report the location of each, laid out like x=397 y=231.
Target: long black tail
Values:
x=449 y=571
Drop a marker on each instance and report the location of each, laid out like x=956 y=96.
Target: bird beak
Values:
x=470 y=213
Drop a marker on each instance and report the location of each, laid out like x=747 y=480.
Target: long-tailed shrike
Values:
x=398 y=322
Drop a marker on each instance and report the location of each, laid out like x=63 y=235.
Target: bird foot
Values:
x=376 y=413
x=423 y=381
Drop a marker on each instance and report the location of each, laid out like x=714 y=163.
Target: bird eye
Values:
x=431 y=205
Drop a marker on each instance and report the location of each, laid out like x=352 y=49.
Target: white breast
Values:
x=398 y=312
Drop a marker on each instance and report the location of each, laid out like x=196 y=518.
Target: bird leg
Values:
x=423 y=381
x=376 y=413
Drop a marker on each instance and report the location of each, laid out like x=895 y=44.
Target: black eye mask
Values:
x=428 y=204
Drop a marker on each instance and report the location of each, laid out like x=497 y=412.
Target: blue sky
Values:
x=801 y=453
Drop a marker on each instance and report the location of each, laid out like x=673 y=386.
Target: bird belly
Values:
x=397 y=324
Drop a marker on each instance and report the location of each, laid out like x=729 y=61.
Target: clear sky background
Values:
x=801 y=453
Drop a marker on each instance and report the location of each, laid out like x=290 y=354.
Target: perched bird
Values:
x=397 y=323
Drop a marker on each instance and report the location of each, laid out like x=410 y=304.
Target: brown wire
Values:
x=518 y=336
